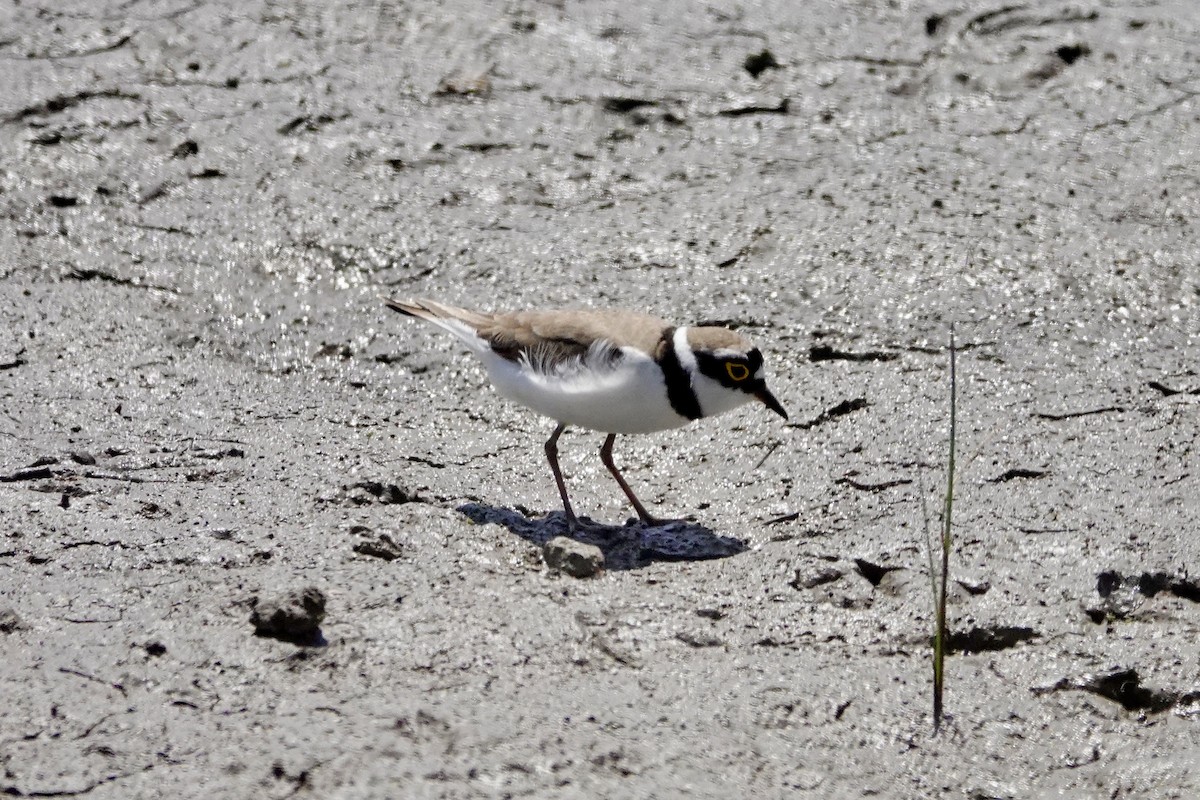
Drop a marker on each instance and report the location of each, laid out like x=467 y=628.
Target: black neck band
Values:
x=680 y=393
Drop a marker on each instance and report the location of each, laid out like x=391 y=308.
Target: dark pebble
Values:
x=293 y=616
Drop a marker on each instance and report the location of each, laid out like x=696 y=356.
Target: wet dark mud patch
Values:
x=63 y=102
x=13 y=361
x=368 y=492
x=1017 y=16
x=1121 y=596
x=862 y=486
x=989 y=638
x=1058 y=417
x=811 y=579
x=1169 y=391
x=11 y=622
x=85 y=274
x=833 y=412
x=780 y=106
x=824 y=352
x=1009 y=50
x=1018 y=473
x=1124 y=686
x=874 y=573
x=309 y=123
x=375 y=545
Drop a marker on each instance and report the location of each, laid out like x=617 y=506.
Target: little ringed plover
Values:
x=609 y=371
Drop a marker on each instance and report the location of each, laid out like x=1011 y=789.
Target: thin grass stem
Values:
x=940 y=635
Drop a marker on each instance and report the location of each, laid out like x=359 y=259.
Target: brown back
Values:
x=553 y=336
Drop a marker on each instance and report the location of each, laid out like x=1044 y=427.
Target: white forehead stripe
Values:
x=683 y=350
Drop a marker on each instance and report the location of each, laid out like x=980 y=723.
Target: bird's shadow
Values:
x=625 y=547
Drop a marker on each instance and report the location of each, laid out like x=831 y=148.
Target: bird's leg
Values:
x=606 y=457
x=552 y=457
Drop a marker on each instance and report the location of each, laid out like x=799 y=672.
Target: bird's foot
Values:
x=649 y=521
x=583 y=525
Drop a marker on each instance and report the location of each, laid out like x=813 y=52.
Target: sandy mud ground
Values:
x=204 y=406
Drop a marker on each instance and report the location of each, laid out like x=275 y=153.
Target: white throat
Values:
x=712 y=397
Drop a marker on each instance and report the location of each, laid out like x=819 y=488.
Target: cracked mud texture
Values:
x=200 y=393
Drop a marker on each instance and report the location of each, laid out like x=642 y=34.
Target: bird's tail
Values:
x=462 y=322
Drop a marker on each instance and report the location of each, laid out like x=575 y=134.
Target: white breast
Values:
x=629 y=396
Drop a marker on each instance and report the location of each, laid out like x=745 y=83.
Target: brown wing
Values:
x=550 y=338
x=546 y=338
x=433 y=310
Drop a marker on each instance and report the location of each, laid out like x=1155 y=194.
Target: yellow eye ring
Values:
x=738 y=372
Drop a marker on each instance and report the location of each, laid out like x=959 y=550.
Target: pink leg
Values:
x=552 y=457
x=606 y=457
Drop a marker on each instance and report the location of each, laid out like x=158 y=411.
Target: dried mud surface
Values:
x=204 y=407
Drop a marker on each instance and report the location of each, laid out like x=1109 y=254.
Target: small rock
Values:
x=10 y=622
x=699 y=639
x=359 y=495
x=393 y=494
x=185 y=149
x=35 y=474
x=758 y=63
x=804 y=779
x=465 y=83
x=152 y=510
x=811 y=580
x=83 y=457
x=623 y=105
x=1119 y=596
x=293 y=616
x=1070 y=53
x=381 y=546
x=974 y=586
x=577 y=559
x=1123 y=686
x=365 y=492
x=339 y=350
